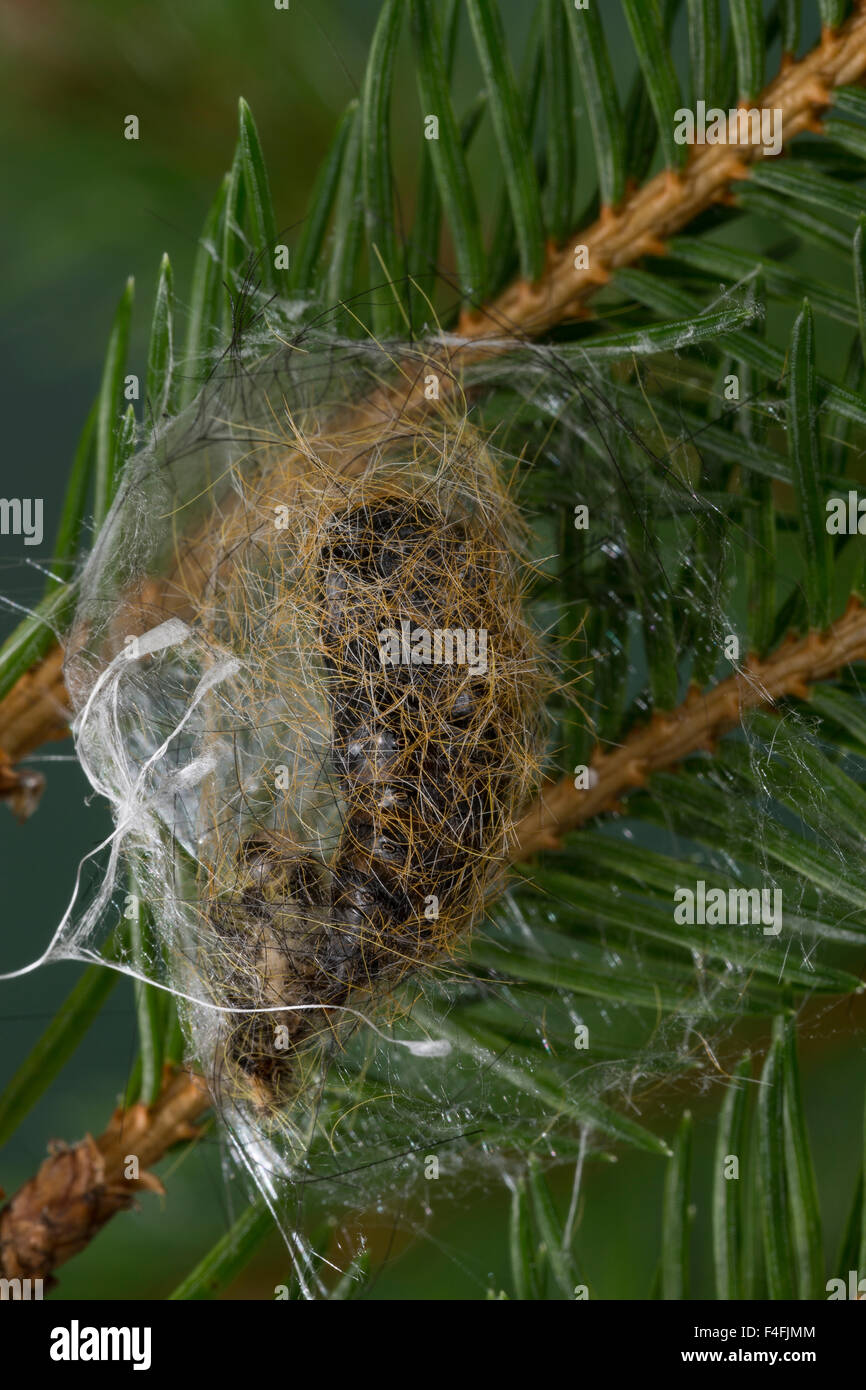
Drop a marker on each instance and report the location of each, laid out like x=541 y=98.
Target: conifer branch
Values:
x=650 y=215
x=36 y=709
x=697 y=724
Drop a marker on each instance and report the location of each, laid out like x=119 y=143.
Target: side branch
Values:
x=662 y=207
x=77 y=1190
x=697 y=724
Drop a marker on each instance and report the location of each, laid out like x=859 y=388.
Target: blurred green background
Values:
x=84 y=209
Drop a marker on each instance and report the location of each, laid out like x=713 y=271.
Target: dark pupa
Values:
x=429 y=752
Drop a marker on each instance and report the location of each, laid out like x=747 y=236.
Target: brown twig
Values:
x=36 y=708
x=698 y=723
x=77 y=1190
x=662 y=207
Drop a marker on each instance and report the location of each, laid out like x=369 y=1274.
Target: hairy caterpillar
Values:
x=342 y=810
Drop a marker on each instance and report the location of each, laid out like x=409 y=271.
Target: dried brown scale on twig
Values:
x=697 y=724
x=20 y=788
x=77 y=1190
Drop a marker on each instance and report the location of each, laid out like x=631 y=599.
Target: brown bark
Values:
x=36 y=708
x=77 y=1190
